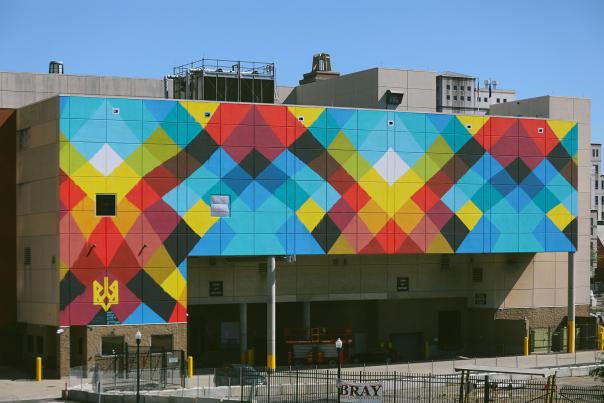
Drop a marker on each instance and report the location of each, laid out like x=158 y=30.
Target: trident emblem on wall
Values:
x=105 y=295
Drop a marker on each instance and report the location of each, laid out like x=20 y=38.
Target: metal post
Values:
x=339 y=380
x=487 y=392
x=307 y=320
x=571 y=303
x=270 y=314
x=138 y=371
x=243 y=332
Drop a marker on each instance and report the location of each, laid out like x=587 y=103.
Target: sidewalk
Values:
x=15 y=386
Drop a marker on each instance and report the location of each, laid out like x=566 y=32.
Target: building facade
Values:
x=142 y=213
x=461 y=93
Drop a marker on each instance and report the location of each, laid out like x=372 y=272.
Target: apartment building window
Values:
x=597 y=168
x=454 y=97
x=448 y=86
x=468 y=98
x=485 y=99
x=596 y=184
x=477 y=275
x=448 y=97
x=596 y=200
x=455 y=87
x=602 y=216
x=498 y=100
x=505 y=99
x=468 y=88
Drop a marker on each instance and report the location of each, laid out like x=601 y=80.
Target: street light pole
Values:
x=138 y=337
x=339 y=381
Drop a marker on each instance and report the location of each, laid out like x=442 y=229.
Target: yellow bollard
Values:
x=526 y=345
x=571 y=336
x=38 y=369
x=601 y=340
x=189 y=367
x=271 y=361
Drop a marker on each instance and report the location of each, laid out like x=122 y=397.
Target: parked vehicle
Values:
x=236 y=374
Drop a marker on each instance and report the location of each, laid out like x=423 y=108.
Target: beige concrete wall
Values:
x=20 y=89
x=509 y=280
x=37 y=212
x=367 y=89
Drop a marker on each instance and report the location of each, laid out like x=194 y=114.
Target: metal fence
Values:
x=551 y=339
x=319 y=386
x=156 y=370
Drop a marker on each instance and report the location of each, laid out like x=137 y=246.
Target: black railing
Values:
x=320 y=386
x=158 y=370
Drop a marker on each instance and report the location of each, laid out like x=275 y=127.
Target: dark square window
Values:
x=505 y=99
x=480 y=298
x=454 y=97
x=485 y=99
x=468 y=98
x=448 y=97
x=455 y=87
x=105 y=204
x=596 y=183
x=111 y=345
x=468 y=88
x=161 y=342
x=448 y=87
x=498 y=100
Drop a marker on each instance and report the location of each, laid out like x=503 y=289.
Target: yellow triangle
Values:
x=160 y=258
x=560 y=127
x=91 y=186
x=86 y=170
x=475 y=123
x=198 y=110
x=440 y=146
x=439 y=245
x=309 y=114
x=85 y=220
x=200 y=222
x=342 y=246
x=341 y=142
x=408 y=222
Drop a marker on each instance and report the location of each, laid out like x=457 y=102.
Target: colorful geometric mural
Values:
x=297 y=180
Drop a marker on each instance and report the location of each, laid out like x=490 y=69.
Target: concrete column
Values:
x=63 y=351
x=571 y=303
x=271 y=358
x=307 y=320
x=243 y=332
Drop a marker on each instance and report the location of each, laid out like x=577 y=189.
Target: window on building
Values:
x=468 y=88
x=448 y=97
x=505 y=99
x=161 y=342
x=448 y=86
x=469 y=98
x=477 y=275
x=111 y=345
x=105 y=204
x=498 y=100
x=596 y=183
x=485 y=99
x=454 y=97
x=602 y=216
x=455 y=87
x=596 y=200
x=593 y=152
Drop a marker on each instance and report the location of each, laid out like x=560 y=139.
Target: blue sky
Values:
x=536 y=47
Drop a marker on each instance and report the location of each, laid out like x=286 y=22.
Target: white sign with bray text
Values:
x=361 y=392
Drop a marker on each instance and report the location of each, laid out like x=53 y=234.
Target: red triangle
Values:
x=373 y=247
